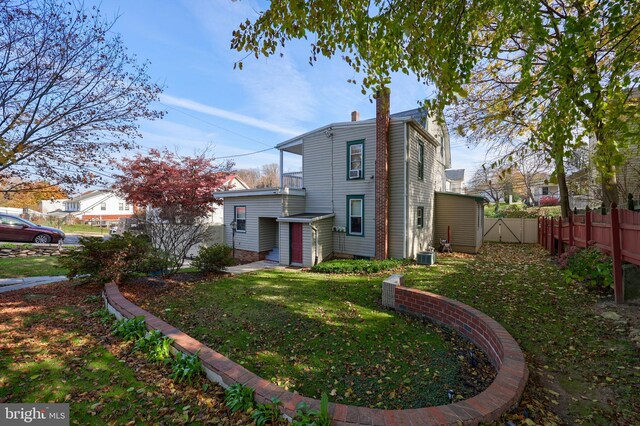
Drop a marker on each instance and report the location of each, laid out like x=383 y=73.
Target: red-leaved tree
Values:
x=177 y=193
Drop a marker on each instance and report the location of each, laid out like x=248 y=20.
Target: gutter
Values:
x=404 y=189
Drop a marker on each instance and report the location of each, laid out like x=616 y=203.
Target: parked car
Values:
x=14 y=228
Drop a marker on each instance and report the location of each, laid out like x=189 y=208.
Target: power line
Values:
x=214 y=125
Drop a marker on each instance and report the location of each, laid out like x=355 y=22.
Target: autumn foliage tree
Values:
x=177 y=192
x=70 y=94
x=31 y=194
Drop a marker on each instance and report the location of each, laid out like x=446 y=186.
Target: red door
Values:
x=296 y=242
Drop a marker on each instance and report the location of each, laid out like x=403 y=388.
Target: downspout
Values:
x=315 y=230
x=406 y=198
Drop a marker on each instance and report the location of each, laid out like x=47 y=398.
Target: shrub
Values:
x=266 y=413
x=156 y=346
x=113 y=259
x=130 y=328
x=359 y=266
x=590 y=266
x=186 y=367
x=308 y=417
x=213 y=259
x=549 y=200
x=239 y=397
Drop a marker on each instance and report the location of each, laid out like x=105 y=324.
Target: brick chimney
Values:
x=382 y=173
x=355 y=116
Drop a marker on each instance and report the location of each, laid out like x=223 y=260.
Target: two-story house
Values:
x=93 y=205
x=366 y=189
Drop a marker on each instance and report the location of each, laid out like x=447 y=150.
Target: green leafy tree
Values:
x=560 y=66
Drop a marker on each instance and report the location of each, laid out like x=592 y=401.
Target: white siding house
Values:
x=331 y=210
x=97 y=204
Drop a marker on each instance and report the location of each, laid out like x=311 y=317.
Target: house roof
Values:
x=90 y=194
x=259 y=192
x=454 y=174
x=416 y=115
x=476 y=198
x=305 y=217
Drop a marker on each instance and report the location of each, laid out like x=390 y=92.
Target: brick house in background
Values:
x=366 y=190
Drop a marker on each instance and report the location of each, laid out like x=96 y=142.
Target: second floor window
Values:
x=121 y=206
x=241 y=218
x=420 y=160
x=103 y=206
x=355 y=160
x=420 y=217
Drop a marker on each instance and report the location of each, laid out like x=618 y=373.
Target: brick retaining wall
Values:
x=486 y=407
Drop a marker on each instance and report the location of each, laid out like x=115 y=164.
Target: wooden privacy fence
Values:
x=509 y=230
x=616 y=233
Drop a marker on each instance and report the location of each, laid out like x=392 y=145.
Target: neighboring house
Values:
x=232 y=183
x=97 y=204
x=455 y=180
x=541 y=189
x=459 y=219
x=366 y=189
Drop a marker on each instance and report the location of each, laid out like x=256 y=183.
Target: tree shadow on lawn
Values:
x=318 y=333
x=583 y=367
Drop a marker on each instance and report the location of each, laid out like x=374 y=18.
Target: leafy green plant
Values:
x=266 y=413
x=130 y=328
x=213 y=259
x=590 y=266
x=156 y=346
x=358 y=266
x=104 y=315
x=310 y=417
x=108 y=260
x=186 y=367
x=239 y=397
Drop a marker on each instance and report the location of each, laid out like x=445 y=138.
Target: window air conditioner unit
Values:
x=354 y=174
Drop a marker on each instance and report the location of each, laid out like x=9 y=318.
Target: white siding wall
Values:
x=397 y=204
x=112 y=205
x=421 y=192
x=325 y=179
x=325 y=240
x=307 y=246
x=284 y=243
x=257 y=207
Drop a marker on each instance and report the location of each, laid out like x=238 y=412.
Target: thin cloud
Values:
x=227 y=115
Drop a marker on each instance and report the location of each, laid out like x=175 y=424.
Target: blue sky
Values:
x=209 y=104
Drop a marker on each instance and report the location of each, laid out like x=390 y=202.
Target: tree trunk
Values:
x=610 y=188
x=564 y=194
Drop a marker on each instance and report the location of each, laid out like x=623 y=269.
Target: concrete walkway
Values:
x=10 y=284
x=253 y=266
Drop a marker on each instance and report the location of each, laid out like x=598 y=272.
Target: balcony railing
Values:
x=292 y=180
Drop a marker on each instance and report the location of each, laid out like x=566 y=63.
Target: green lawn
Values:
x=19 y=267
x=315 y=333
x=587 y=365
x=54 y=348
x=76 y=228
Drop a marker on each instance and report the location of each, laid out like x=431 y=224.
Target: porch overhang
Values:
x=305 y=217
x=260 y=192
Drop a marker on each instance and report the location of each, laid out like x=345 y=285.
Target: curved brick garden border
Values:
x=491 y=337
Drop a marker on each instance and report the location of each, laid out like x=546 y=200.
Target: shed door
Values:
x=296 y=242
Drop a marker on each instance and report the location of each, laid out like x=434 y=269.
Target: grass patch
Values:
x=59 y=349
x=555 y=323
x=358 y=266
x=19 y=267
x=315 y=333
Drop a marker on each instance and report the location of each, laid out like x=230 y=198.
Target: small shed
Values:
x=463 y=216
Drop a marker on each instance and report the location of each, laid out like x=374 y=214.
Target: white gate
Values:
x=511 y=230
